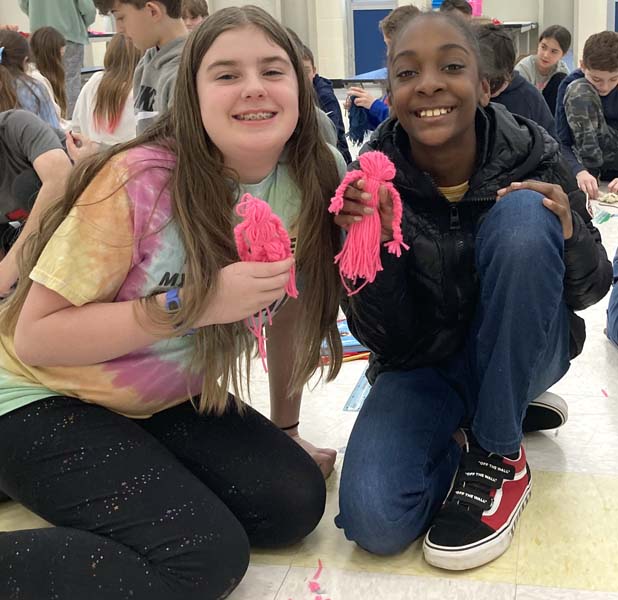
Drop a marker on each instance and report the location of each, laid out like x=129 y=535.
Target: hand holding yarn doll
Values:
x=360 y=255
x=261 y=237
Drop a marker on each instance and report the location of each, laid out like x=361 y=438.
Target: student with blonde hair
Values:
x=47 y=47
x=104 y=109
x=129 y=316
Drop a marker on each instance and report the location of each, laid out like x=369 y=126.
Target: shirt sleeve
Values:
x=87 y=11
x=90 y=255
x=378 y=112
x=29 y=136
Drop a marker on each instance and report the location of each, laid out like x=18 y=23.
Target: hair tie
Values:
x=1 y=53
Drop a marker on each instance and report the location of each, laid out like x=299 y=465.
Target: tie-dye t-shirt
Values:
x=119 y=243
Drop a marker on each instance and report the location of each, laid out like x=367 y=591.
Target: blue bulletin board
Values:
x=369 y=48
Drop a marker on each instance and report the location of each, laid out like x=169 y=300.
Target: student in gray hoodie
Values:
x=157 y=29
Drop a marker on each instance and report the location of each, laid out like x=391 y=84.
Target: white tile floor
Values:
x=566 y=546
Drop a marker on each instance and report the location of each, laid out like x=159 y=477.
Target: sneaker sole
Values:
x=541 y=415
x=479 y=553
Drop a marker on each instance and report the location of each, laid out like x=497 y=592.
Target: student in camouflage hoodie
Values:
x=587 y=113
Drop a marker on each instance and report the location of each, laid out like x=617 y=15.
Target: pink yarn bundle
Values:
x=261 y=237
x=360 y=255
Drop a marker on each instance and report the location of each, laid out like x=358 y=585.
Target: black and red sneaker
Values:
x=476 y=522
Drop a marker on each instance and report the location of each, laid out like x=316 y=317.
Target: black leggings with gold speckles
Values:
x=160 y=509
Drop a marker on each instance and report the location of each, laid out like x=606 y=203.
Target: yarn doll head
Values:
x=377 y=165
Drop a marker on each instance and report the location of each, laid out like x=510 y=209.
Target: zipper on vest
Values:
x=454 y=223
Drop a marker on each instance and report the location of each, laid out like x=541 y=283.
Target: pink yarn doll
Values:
x=261 y=237
x=360 y=255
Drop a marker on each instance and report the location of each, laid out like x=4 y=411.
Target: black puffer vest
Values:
x=420 y=308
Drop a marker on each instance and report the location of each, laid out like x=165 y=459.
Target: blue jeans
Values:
x=401 y=455
x=612 y=309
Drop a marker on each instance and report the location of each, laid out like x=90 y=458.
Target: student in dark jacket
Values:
x=508 y=87
x=474 y=321
x=327 y=101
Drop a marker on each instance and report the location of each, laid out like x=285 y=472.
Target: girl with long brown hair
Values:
x=17 y=88
x=47 y=46
x=157 y=496
x=104 y=109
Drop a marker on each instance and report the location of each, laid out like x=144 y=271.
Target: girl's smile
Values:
x=433 y=112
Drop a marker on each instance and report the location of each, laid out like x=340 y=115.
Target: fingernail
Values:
x=366 y=196
x=516 y=184
x=357 y=219
x=368 y=211
x=502 y=191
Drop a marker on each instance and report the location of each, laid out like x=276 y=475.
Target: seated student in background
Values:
x=546 y=69
x=33 y=171
x=460 y=8
x=17 y=88
x=47 y=47
x=104 y=109
x=117 y=427
x=377 y=109
x=194 y=13
x=327 y=101
x=587 y=113
x=507 y=87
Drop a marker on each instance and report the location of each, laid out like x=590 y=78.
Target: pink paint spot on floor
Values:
x=319 y=571
x=604 y=392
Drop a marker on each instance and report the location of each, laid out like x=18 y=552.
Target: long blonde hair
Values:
x=46 y=45
x=203 y=202
x=121 y=58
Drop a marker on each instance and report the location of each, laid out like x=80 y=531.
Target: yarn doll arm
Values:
x=395 y=245
x=336 y=204
x=282 y=344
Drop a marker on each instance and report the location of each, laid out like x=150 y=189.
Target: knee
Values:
x=521 y=228
x=291 y=508
x=380 y=523
x=209 y=563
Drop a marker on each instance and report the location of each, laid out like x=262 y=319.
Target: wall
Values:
x=331 y=38
x=518 y=10
x=557 y=12
x=10 y=14
x=590 y=16
x=271 y=6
